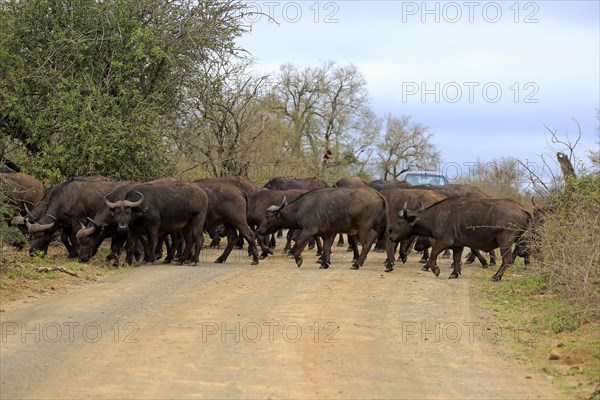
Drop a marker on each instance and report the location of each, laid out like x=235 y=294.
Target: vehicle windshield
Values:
x=425 y=179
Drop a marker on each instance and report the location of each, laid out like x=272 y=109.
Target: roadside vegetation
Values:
x=554 y=304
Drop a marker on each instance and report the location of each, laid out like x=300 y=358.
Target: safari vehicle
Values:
x=424 y=178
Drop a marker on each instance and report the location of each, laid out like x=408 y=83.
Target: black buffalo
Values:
x=396 y=199
x=380 y=184
x=285 y=183
x=66 y=207
x=456 y=222
x=102 y=225
x=327 y=212
x=227 y=206
x=258 y=203
x=149 y=209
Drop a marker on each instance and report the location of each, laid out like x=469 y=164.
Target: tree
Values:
x=225 y=120
x=405 y=145
x=324 y=108
x=91 y=87
x=498 y=178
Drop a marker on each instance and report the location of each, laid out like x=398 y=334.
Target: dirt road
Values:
x=267 y=331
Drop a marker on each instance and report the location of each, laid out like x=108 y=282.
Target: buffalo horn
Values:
x=405 y=210
x=108 y=203
x=127 y=203
x=39 y=227
x=18 y=220
x=85 y=232
x=278 y=208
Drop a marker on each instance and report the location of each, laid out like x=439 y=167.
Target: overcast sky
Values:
x=485 y=77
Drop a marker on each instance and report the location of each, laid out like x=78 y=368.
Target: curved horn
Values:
x=33 y=228
x=27 y=209
x=283 y=202
x=108 y=203
x=85 y=232
x=92 y=221
x=405 y=210
x=422 y=207
x=279 y=207
x=18 y=220
x=127 y=203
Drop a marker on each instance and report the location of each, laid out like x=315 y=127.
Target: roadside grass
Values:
x=22 y=276
x=546 y=329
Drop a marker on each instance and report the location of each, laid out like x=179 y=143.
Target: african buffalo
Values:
x=385 y=184
x=457 y=222
x=227 y=206
x=243 y=183
x=326 y=212
x=285 y=183
x=396 y=199
x=149 y=209
x=258 y=203
x=21 y=190
x=65 y=207
x=102 y=225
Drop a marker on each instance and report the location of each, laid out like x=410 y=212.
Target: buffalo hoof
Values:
x=299 y=262
x=194 y=264
x=318 y=254
x=254 y=262
x=263 y=256
x=354 y=266
x=493 y=262
x=214 y=246
x=340 y=244
x=311 y=246
x=496 y=278
x=389 y=269
x=436 y=271
x=453 y=275
x=423 y=261
x=324 y=266
x=484 y=266
x=219 y=261
x=424 y=268
x=468 y=262
x=378 y=250
x=445 y=256
x=349 y=249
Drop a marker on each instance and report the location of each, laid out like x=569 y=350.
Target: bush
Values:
x=570 y=245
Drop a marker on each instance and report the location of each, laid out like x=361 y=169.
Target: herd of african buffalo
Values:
x=144 y=218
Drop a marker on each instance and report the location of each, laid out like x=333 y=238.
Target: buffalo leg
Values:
x=391 y=252
x=437 y=248
x=301 y=242
x=326 y=251
x=476 y=253
x=231 y=240
x=246 y=233
x=340 y=241
x=456 y=256
x=367 y=238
